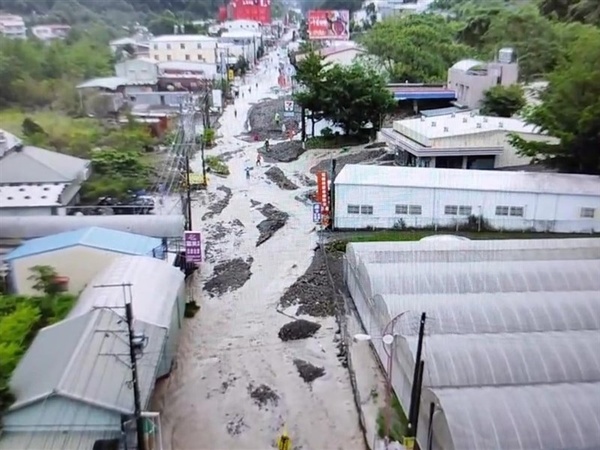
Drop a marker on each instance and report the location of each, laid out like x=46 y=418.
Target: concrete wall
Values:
x=541 y=212
x=471 y=87
x=78 y=263
x=137 y=70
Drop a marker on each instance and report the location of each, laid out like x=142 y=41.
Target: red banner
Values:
x=329 y=25
x=323 y=196
x=255 y=10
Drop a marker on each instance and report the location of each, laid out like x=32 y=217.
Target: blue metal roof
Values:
x=425 y=95
x=94 y=237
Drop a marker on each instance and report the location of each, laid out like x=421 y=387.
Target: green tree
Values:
x=310 y=74
x=570 y=110
x=503 y=101
x=354 y=96
x=417 y=48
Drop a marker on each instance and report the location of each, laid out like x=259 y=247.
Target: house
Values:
x=82 y=393
x=138 y=70
x=157 y=293
x=184 y=47
x=51 y=32
x=35 y=181
x=138 y=43
x=398 y=197
x=460 y=140
x=511 y=337
x=77 y=256
x=470 y=78
x=12 y=26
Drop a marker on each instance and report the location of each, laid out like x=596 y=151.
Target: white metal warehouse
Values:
x=397 y=197
x=510 y=350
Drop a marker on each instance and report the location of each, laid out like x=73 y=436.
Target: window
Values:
x=182 y=46
x=200 y=57
x=156 y=57
x=502 y=210
x=587 y=213
x=168 y=57
x=414 y=210
x=353 y=209
x=517 y=211
x=465 y=210
x=187 y=57
x=366 y=209
x=199 y=45
x=168 y=46
x=451 y=210
x=401 y=209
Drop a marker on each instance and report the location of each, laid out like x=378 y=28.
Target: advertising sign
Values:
x=230 y=75
x=193 y=246
x=331 y=25
x=323 y=189
x=316 y=212
x=255 y=10
x=288 y=108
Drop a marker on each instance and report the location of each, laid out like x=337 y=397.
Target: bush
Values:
x=216 y=165
x=209 y=137
x=336 y=141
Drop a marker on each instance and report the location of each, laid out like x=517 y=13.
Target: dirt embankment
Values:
x=285 y=152
x=276 y=175
x=274 y=221
x=363 y=157
x=229 y=276
x=261 y=119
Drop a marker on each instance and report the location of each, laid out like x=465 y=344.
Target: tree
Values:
x=503 y=101
x=310 y=73
x=354 y=96
x=585 y=11
x=570 y=110
x=417 y=48
x=44 y=278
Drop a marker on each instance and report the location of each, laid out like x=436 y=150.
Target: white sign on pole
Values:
x=288 y=108
x=217 y=98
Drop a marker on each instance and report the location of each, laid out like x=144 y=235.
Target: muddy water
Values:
x=232 y=346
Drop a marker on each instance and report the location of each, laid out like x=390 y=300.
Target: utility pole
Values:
x=188 y=188
x=139 y=420
x=415 y=391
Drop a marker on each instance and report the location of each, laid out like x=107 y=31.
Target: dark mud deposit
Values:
x=298 y=329
x=261 y=119
x=216 y=208
x=308 y=197
x=365 y=156
x=276 y=175
x=236 y=426
x=307 y=371
x=275 y=220
x=215 y=234
x=287 y=151
x=313 y=291
x=263 y=395
x=305 y=180
x=229 y=276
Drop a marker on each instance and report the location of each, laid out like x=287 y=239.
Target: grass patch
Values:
x=336 y=141
x=399 y=422
x=216 y=165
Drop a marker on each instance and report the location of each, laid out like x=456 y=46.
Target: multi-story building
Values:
x=50 y=32
x=470 y=78
x=12 y=26
x=184 y=47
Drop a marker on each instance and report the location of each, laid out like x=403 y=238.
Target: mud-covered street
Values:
x=246 y=369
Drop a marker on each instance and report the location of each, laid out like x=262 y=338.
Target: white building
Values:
x=50 y=32
x=138 y=70
x=184 y=47
x=240 y=25
x=463 y=140
x=242 y=43
x=398 y=197
x=12 y=26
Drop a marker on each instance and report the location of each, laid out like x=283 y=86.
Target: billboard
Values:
x=193 y=246
x=256 y=10
x=329 y=25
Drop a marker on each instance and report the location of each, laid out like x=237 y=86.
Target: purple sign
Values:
x=193 y=246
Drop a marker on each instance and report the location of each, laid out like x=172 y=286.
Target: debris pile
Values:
x=276 y=175
x=229 y=276
x=275 y=220
x=307 y=371
x=298 y=329
x=263 y=395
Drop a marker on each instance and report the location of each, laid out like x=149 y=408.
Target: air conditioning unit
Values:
x=479 y=125
x=445 y=129
x=465 y=120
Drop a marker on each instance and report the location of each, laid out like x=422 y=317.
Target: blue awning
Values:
x=450 y=95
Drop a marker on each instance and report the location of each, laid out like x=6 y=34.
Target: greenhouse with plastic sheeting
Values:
x=511 y=349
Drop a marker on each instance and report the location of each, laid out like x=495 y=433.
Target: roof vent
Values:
x=479 y=125
x=445 y=129
x=27 y=197
x=422 y=119
x=465 y=120
x=433 y=124
x=500 y=124
x=21 y=189
x=485 y=120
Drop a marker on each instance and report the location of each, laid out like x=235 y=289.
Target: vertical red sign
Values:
x=323 y=195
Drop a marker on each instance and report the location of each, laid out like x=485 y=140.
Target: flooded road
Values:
x=236 y=384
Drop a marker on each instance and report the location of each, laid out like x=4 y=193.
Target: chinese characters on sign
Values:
x=329 y=24
x=316 y=212
x=323 y=196
x=193 y=246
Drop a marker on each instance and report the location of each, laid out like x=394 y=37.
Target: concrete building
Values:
x=37 y=182
x=138 y=70
x=398 y=197
x=460 y=140
x=184 y=47
x=511 y=331
x=139 y=44
x=242 y=43
x=241 y=25
x=76 y=255
x=12 y=26
x=51 y=32
x=471 y=78
x=72 y=398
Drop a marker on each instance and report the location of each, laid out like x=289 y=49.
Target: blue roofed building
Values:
x=77 y=256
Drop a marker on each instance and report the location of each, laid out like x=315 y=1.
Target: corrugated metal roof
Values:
x=111 y=83
x=471 y=180
x=37 y=165
x=54 y=440
x=94 y=237
x=89 y=367
x=171 y=226
x=154 y=285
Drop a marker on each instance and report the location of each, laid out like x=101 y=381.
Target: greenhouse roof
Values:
x=543 y=417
